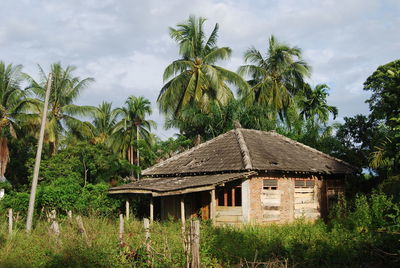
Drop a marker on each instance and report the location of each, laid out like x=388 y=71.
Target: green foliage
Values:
x=18 y=201
x=384 y=84
x=84 y=163
x=374 y=212
x=195 y=80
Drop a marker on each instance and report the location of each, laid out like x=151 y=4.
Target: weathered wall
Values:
x=287 y=202
x=228 y=215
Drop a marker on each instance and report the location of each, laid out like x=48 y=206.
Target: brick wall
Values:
x=280 y=211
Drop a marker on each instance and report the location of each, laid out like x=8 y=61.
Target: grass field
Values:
x=300 y=244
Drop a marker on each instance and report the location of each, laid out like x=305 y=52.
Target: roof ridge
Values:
x=306 y=147
x=166 y=161
x=244 y=150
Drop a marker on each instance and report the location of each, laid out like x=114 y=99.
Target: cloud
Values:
x=125 y=45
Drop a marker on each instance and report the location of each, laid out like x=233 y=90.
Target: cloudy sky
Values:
x=124 y=44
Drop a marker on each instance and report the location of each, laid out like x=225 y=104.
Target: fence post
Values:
x=10 y=221
x=146 y=223
x=54 y=227
x=82 y=229
x=127 y=209
x=121 y=228
x=195 y=241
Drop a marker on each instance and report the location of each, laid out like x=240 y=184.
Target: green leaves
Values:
x=195 y=79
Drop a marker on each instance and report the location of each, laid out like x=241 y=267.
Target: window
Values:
x=270 y=184
x=304 y=183
x=229 y=196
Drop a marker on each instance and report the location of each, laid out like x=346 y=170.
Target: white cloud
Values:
x=125 y=45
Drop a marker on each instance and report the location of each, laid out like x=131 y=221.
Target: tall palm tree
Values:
x=65 y=89
x=104 y=120
x=194 y=79
x=13 y=104
x=275 y=77
x=314 y=105
x=132 y=127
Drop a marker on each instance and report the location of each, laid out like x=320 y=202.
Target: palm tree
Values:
x=132 y=127
x=275 y=78
x=12 y=106
x=65 y=89
x=194 y=79
x=104 y=120
x=314 y=105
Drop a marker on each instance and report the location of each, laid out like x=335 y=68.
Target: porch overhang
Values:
x=166 y=186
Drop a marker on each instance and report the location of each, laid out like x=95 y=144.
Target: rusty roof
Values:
x=245 y=149
x=174 y=185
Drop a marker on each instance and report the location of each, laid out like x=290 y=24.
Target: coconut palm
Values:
x=104 y=120
x=314 y=105
x=12 y=102
x=65 y=89
x=275 y=77
x=132 y=127
x=194 y=79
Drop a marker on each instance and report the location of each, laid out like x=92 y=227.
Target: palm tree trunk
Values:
x=38 y=158
x=137 y=151
x=4 y=155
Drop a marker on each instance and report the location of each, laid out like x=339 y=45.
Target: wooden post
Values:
x=82 y=229
x=10 y=221
x=195 y=241
x=38 y=158
x=146 y=224
x=233 y=197
x=225 y=197
x=127 y=209
x=183 y=219
x=151 y=209
x=121 y=228
x=54 y=227
x=213 y=206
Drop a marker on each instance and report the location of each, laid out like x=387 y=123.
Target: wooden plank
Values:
x=271 y=202
x=273 y=192
x=306 y=206
x=272 y=219
x=271 y=213
x=264 y=196
x=303 y=200
x=227 y=212
x=271 y=207
x=305 y=195
x=304 y=190
x=227 y=218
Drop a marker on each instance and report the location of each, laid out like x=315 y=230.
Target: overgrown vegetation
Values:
x=363 y=232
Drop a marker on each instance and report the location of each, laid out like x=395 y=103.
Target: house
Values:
x=243 y=176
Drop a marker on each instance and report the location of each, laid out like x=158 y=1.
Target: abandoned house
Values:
x=243 y=176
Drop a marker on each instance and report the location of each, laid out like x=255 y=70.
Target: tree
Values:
x=275 y=77
x=384 y=84
x=104 y=120
x=195 y=80
x=384 y=105
x=65 y=89
x=314 y=105
x=132 y=127
x=12 y=106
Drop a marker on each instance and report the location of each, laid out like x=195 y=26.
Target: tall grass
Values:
x=364 y=232
x=302 y=243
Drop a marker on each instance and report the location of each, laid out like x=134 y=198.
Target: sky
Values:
x=124 y=44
